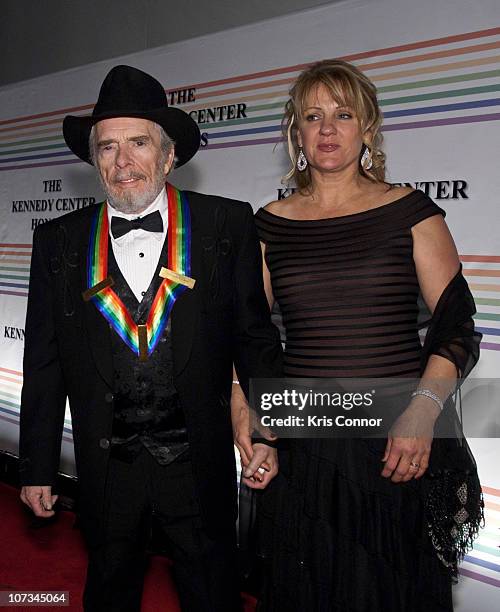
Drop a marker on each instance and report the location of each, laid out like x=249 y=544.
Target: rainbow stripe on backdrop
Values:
x=431 y=83
x=179 y=260
x=483 y=562
x=10 y=400
x=483 y=275
x=14 y=268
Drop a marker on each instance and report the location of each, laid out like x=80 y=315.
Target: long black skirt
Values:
x=334 y=535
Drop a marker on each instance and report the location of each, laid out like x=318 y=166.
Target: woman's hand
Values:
x=409 y=442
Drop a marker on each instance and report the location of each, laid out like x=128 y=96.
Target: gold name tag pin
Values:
x=89 y=293
x=177 y=278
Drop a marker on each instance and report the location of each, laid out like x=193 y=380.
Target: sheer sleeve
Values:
x=451 y=332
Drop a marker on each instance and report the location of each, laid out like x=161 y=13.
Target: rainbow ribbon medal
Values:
x=142 y=339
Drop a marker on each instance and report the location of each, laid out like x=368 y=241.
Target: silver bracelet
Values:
x=430 y=394
x=236 y=382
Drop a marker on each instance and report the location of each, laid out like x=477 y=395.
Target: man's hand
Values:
x=39 y=499
x=240 y=419
x=259 y=462
x=262 y=468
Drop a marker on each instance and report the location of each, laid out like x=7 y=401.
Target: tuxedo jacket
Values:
x=224 y=318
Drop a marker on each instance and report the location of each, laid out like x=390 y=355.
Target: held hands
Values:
x=259 y=462
x=262 y=468
x=39 y=499
x=409 y=442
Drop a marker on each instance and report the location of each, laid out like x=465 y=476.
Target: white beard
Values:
x=135 y=203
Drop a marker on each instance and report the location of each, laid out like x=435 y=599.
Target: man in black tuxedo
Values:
x=137 y=308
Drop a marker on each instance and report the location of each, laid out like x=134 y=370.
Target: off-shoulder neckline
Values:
x=363 y=212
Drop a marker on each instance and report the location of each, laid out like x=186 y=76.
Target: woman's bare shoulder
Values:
x=395 y=192
x=378 y=195
x=284 y=207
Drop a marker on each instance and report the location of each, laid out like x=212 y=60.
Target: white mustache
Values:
x=130 y=175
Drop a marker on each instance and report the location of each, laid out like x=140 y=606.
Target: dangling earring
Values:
x=366 y=159
x=301 y=161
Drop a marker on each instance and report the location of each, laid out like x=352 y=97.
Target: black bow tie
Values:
x=149 y=223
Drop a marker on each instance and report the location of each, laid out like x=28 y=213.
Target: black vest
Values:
x=147 y=410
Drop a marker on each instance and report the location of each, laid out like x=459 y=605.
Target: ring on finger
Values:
x=414 y=466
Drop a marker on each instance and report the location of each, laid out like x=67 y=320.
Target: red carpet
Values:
x=52 y=558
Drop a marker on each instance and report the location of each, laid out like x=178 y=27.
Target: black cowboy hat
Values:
x=129 y=92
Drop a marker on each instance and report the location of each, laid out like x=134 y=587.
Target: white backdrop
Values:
x=437 y=66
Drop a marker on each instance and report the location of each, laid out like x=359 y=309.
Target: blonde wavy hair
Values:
x=349 y=87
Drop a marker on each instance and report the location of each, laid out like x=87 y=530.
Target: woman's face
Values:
x=329 y=134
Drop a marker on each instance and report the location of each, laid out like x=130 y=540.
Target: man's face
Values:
x=131 y=164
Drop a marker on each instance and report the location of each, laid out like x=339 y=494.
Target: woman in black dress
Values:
x=344 y=525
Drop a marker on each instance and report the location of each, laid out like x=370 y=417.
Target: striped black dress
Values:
x=335 y=535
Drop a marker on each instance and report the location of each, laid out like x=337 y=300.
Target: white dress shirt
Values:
x=137 y=252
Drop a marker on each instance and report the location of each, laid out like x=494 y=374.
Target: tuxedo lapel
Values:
x=98 y=332
x=185 y=311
